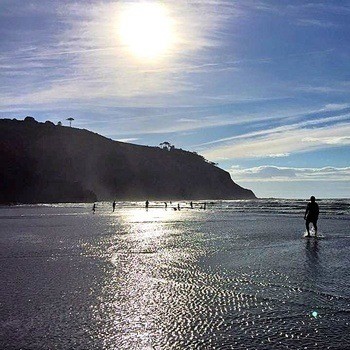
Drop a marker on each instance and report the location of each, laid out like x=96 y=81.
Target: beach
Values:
x=238 y=275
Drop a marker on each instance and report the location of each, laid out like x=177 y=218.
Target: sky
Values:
x=260 y=87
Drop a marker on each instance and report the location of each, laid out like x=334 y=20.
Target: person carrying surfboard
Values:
x=311 y=215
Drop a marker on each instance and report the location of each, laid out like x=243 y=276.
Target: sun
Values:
x=146 y=30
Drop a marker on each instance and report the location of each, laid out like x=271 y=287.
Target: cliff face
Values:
x=41 y=162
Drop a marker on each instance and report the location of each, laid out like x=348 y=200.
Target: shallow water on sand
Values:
x=239 y=275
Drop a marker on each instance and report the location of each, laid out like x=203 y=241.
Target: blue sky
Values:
x=261 y=87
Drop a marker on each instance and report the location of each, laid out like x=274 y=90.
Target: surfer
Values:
x=94 y=208
x=113 y=206
x=311 y=215
x=147 y=204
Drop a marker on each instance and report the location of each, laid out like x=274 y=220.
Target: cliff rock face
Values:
x=41 y=162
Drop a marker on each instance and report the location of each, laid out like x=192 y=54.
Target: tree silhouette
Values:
x=166 y=146
x=70 y=119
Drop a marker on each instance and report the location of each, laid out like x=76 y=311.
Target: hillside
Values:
x=45 y=163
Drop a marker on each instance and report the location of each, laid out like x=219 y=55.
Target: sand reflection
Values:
x=146 y=261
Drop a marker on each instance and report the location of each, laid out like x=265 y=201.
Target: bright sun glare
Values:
x=146 y=30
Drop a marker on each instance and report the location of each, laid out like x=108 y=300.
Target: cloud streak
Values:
x=268 y=173
x=282 y=140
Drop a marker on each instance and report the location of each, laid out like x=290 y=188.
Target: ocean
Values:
x=238 y=275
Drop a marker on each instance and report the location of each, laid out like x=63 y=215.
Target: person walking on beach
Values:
x=147 y=204
x=191 y=205
x=165 y=205
x=113 y=206
x=93 y=208
x=311 y=215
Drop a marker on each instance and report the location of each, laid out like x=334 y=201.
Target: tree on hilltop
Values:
x=70 y=119
x=166 y=146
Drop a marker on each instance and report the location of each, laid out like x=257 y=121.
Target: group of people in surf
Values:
x=178 y=207
x=311 y=213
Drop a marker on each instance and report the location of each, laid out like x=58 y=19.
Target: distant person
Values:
x=178 y=207
x=205 y=205
x=113 y=206
x=147 y=205
x=93 y=208
x=165 y=205
x=311 y=215
x=191 y=205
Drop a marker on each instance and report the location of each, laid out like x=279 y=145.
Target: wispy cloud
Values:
x=293 y=7
x=131 y=139
x=339 y=87
x=336 y=106
x=282 y=140
x=85 y=62
x=302 y=14
x=268 y=173
x=164 y=124
x=190 y=118
x=315 y=22
x=95 y=64
x=310 y=119
x=327 y=7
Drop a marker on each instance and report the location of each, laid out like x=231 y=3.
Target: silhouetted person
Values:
x=178 y=207
x=165 y=205
x=205 y=205
x=93 y=208
x=191 y=204
x=147 y=204
x=311 y=215
x=113 y=206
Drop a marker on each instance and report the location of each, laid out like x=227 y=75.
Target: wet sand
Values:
x=223 y=278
